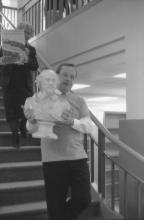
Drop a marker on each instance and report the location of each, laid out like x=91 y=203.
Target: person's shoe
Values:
x=15 y=140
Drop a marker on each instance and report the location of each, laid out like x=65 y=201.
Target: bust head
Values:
x=47 y=81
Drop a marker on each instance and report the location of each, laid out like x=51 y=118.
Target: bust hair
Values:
x=43 y=74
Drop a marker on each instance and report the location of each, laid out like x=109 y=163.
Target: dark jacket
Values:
x=8 y=73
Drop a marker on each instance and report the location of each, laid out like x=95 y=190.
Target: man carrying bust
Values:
x=64 y=159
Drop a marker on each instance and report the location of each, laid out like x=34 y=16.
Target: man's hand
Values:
x=67 y=117
x=23 y=58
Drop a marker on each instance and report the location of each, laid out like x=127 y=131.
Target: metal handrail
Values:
x=115 y=140
x=49 y=16
x=104 y=133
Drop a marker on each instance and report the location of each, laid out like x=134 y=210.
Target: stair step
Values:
x=25 y=153
x=116 y=203
x=1 y=92
x=1 y=100
x=92 y=211
x=108 y=190
x=28 y=211
x=20 y=171
x=4 y=127
x=6 y=140
x=21 y=192
x=2 y=112
x=108 y=175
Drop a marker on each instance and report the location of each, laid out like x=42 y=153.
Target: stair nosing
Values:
x=31 y=147
x=2 y=119
x=12 y=165
x=23 y=208
x=21 y=185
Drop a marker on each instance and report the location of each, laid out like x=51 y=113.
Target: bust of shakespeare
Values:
x=47 y=104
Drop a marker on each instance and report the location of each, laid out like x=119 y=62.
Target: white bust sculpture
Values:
x=47 y=104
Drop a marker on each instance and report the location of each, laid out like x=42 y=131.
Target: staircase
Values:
x=22 y=195
x=21 y=179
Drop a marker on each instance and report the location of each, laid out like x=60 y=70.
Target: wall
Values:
x=98 y=108
x=10 y=3
x=110 y=32
x=131 y=133
x=86 y=30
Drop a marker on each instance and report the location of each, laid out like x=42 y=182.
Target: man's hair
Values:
x=66 y=64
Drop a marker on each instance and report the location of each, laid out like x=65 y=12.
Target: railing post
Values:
x=92 y=160
x=85 y=142
x=139 y=200
x=101 y=163
x=0 y=20
x=125 y=195
x=61 y=8
x=112 y=185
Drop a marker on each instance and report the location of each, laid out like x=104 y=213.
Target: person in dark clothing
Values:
x=17 y=83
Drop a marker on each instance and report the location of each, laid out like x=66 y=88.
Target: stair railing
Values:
x=8 y=17
x=44 y=13
x=104 y=134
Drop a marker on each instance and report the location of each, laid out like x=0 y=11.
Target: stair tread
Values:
x=20 y=164
x=25 y=207
x=2 y=119
x=6 y=148
x=5 y=132
x=21 y=184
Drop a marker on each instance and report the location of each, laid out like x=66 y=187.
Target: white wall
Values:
x=10 y=3
x=98 y=108
x=89 y=29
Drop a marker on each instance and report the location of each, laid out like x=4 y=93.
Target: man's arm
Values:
x=84 y=124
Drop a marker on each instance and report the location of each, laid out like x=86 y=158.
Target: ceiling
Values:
x=102 y=81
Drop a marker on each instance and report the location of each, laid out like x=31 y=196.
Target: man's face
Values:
x=67 y=76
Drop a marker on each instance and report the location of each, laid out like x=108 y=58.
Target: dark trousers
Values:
x=17 y=124
x=13 y=102
x=60 y=177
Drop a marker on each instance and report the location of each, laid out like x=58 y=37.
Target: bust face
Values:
x=49 y=82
